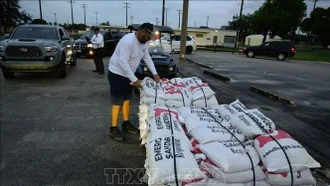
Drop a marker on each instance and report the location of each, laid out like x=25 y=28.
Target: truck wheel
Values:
x=250 y=53
x=189 y=50
x=61 y=71
x=281 y=56
x=8 y=75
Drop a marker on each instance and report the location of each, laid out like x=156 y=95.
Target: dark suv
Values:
x=111 y=38
x=37 y=48
x=279 y=49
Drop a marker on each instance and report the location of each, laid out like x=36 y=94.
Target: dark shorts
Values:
x=120 y=88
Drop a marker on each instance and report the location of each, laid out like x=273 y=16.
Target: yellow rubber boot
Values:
x=115 y=110
x=126 y=109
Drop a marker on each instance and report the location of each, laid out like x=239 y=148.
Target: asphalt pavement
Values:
x=54 y=132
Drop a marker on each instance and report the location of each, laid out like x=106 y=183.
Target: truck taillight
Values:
x=292 y=49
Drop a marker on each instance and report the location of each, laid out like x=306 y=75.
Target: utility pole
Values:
x=239 y=24
x=96 y=23
x=132 y=19
x=72 y=19
x=55 y=18
x=84 y=6
x=163 y=12
x=184 y=31
x=40 y=9
x=315 y=4
x=195 y=24
x=126 y=6
x=179 y=17
x=156 y=21
x=207 y=21
x=166 y=9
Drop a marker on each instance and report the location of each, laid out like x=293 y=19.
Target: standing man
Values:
x=98 y=44
x=122 y=66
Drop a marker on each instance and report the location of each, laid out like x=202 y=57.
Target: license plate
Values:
x=78 y=50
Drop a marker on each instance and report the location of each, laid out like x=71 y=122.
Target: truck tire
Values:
x=189 y=50
x=7 y=75
x=250 y=54
x=281 y=56
x=61 y=71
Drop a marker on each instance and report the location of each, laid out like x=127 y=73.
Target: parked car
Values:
x=37 y=48
x=176 y=43
x=164 y=63
x=279 y=49
x=111 y=38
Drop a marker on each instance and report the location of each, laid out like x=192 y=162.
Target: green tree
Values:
x=10 y=15
x=244 y=26
x=318 y=25
x=39 y=21
x=278 y=17
x=106 y=23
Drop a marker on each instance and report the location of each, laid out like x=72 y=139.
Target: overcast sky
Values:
x=219 y=12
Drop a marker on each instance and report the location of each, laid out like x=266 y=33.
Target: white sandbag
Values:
x=273 y=157
x=257 y=183
x=236 y=177
x=164 y=125
x=238 y=106
x=157 y=110
x=201 y=91
x=252 y=123
x=209 y=133
x=178 y=82
x=152 y=100
x=215 y=182
x=151 y=89
x=225 y=110
x=303 y=177
x=230 y=156
x=205 y=102
x=161 y=166
x=143 y=115
x=196 y=116
x=177 y=97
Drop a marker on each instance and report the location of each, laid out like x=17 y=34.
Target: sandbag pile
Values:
x=192 y=140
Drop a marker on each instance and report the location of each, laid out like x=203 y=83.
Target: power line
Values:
x=84 y=6
x=179 y=16
x=126 y=6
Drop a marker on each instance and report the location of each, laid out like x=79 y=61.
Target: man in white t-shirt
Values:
x=98 y=45
x=122 y=66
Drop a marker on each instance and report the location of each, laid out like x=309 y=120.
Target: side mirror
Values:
x=65 y=38
x=6 y=36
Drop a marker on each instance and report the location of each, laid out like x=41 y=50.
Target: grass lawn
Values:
x=303 y=53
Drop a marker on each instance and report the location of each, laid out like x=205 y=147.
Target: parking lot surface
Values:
x=55 y=131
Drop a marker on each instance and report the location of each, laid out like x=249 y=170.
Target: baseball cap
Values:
x=149 y=27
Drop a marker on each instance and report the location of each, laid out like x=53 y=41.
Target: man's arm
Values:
x=125 y=52
x=97 y=40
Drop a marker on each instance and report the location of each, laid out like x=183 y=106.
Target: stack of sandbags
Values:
x=285 y=161
x=202 y=94
x=169 y=160
x=176 y=96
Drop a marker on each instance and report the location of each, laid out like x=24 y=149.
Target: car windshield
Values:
x=156 y=49
x=88 y=34
x=35 y=33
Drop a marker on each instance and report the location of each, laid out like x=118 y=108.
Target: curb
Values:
x=199 y=64
x=273 y=96
x=213 y=73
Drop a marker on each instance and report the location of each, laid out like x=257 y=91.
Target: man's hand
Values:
x=156 y=78
x=137 y=84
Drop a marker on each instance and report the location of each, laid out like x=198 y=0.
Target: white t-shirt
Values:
x=127 y=56
x=97 y=41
